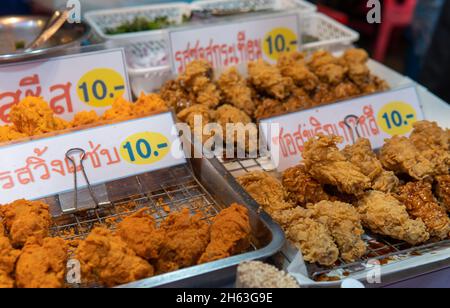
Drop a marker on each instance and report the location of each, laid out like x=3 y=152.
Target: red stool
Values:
x=394 y=15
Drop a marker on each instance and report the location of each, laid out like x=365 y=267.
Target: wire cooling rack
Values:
x=380 y=250
x=160 y=192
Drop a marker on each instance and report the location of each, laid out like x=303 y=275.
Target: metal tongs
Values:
x=69 y=156
x=53 y=25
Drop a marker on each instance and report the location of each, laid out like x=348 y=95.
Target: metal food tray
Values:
x=398 y=260
x=199 y=186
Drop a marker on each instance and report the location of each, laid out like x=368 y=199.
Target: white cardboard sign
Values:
x=375 y=117
x=40 y=168
x=70 y=84
x=236 y=42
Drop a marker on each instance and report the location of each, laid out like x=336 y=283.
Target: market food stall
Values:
x=110 y=179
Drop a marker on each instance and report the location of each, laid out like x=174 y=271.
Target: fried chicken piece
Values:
x=269 y=108
x=384 y=214
x=8 y=258
x=401 y=156
x=344 y=223
x=327 y=165
x=268 y=79
x=299 y=100
x=293 y=65
x=148 y=105
x=331 y=73
x=175 y=96
x=432 y=141
x=361 y=155
x=85 y=118
x=106 y=258
x=355 y=60
x=24 y=219
x=314 y=240
x=188 y=115
x=227 y=114
x=230 y=234
x=355 y=55
x=198 y=79
x=10 y=133
x=236 y=91
x=139 y=232
x=266 y=190
x=42 y=264
x=186 y=239
x=321 y=58
x=33 y=116
x=373 y=85
x=443 y=190
x=121 y=110
x=420 y=203
x=302 y=188
x=345 y=90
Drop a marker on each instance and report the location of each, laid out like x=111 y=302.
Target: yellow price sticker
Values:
x=145 y=148
x=397 y=118
x=100 y=87
x=278 y=41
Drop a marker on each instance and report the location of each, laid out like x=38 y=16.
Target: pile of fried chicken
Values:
x=137 y=249
x=325 y=203
x=34 y=117
x=296 y=82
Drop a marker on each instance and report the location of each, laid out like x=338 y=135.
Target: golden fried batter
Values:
x=269 y=108
x=42 y=264
x=139 y=232
x=85 y=118
x=186 y=238
x=302 y=188
x=10 y=133
x=121 y=110
x=361 y=155
x=8 y=258
x=314 y=240
x=432 y=141
x=443 y=190
x=331 y=73
x=236 y=91
x=106 y=258
x=329 y=166
x=321 y=58
x=420 y=203
x=230 y=234
x=401 y=156
x=266 y=190
x=268 y=79
x=293 y=65
x=198 y=79
x=345 y=90
x=24 y=219
x=344 y=223
x=175 y=96
x=148 y=105
x=384 y=214
x=32 y=116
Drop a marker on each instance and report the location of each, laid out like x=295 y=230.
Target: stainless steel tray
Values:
x=399 y=261
x=201 y=185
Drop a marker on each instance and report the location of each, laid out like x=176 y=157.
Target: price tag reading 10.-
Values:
x=236 y=42
x=70 y=84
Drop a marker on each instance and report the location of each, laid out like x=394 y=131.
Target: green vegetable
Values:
x=140 y=24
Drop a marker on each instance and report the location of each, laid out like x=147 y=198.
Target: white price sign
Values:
x=70 y=84
x=40 y=168
x=235 y=42
x=375 y=117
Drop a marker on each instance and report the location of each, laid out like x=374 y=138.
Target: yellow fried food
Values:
x=8 y=258
x=230 y=234
x=42 y=264
x=25 y=219
x=85 y=118
x=443 y=190
x=384 y=214
x=236 y=91
x=344 y=223
x=139 y=232
x=186 y=239
x=106 y=258
x=268 y=79
x=121 y=110
x=33 y=116
x=149 y=104
x=10 y=133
